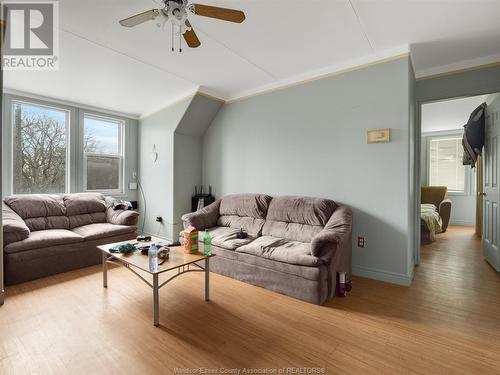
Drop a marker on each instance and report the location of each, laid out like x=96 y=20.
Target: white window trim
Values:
x=33 y=103
x=121 y=155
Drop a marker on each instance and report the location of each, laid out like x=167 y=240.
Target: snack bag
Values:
x=191 y=240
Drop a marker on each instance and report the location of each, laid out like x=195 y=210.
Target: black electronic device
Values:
x=201 y=199
x=241 y=234
x=144 y=249
x=143 y=238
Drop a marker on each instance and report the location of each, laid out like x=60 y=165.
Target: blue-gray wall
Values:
x=156 y=178
x=310 y=140
x=470 y=83
x=188 y=152
x=169 y=182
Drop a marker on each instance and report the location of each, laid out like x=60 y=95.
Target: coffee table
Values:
x=178 y=260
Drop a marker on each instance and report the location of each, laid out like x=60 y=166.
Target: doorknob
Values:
x=482 y=194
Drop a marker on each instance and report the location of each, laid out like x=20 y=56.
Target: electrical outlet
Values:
x=361 y=242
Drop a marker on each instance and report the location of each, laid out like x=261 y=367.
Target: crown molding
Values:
x=210 y=95
x=347 y=67
x=459 y=67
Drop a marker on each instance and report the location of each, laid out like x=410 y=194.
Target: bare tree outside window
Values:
x=103 y=153
x=40 y=144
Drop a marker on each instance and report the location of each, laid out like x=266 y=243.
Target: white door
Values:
x=491 y=191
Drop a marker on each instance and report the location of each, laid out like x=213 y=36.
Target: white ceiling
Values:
x=449 y=114
x=282 y=41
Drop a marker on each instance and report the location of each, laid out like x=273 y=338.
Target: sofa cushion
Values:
x=44 y=238
x=103 y=230
x=291 y=231
x=301 y=210
x=245 y=205
x=220 y=252
x=281 y=250
x=297 y=218
x=36 y=205
x=85 y=219
x=48 y=222
x=250 y=225
x=226 y=237
x=244 y=211
x=84 y=203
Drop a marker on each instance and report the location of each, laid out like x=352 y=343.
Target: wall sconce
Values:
x=154 y=154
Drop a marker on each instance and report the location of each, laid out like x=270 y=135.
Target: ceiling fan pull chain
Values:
x=172 y=37
x=180 y=39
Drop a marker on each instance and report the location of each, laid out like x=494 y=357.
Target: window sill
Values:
x=460 y=194
x=109 y=193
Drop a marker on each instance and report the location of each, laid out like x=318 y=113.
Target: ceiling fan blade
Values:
x=224 y=14
x=190 y=37
x=148 y=15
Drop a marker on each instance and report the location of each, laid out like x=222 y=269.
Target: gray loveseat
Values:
x=48 y=234
x=295 y=245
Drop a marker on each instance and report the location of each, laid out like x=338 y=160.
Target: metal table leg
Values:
x=104 y=270
x=207 y=280
x=156 y=307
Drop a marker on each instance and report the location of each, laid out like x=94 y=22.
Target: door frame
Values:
x=418 y=154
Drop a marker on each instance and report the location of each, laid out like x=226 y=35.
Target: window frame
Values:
x=121 y=156
x=34 y=103
x=469 y=175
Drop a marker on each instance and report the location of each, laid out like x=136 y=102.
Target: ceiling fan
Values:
x=176 y=12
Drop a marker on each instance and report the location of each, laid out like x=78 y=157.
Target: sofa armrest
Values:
x=122 y=217
x=334 y=235
x=445 y=213
x=14 y=228
x=202 y=219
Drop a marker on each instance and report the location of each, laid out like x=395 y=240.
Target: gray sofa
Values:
x=48 y=234
x=295 y=245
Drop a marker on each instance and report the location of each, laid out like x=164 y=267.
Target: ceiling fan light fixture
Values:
x=176 y=12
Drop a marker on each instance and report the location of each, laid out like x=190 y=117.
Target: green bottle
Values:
x=207 y=241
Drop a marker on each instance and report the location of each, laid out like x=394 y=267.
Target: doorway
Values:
x=452 y=194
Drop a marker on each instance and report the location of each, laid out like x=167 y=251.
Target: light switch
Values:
x=132 y=186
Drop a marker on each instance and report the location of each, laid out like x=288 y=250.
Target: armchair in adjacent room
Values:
x=438 y=196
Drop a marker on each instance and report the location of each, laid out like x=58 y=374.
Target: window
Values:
x=55 y=148
x=103 y=159
x=40 y=145
x=445 y=167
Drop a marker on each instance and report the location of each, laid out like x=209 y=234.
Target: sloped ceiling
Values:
x=134 y=71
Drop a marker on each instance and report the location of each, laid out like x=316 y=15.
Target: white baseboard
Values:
x=381 y=275
x=161 y=237
x=463 y=223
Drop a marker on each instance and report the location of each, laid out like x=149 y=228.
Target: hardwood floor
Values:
x=447 y=322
